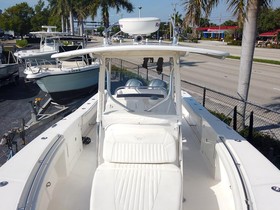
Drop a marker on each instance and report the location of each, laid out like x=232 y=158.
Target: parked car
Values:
x=117 y=38
x=7 y=37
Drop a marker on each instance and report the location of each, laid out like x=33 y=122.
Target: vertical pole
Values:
x=204 y=95
x=251 y=126
x=235 y=118
x=101 y=85
x=176 y=63
x=139 y=8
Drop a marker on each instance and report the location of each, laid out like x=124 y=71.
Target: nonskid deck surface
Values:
x=200 y=189
x=73 y=192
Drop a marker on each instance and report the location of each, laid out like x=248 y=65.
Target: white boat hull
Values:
x=65 y=87
x=62 y=167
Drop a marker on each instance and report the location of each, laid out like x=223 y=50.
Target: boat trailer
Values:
x=41 y=115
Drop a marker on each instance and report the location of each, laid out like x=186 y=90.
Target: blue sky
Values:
x=158 y=8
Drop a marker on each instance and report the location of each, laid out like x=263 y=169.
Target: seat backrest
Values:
x=132 y=143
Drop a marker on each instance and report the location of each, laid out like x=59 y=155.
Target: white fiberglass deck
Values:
x=200 y=189
x=74 y=191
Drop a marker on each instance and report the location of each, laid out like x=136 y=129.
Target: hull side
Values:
x=63 y=88
x=66 y=97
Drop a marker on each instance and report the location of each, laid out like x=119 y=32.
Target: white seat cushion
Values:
x=136 y=187
x=125 y=143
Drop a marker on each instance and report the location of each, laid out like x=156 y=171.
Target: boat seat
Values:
x=136 y=187
x=140 y=92
x=138 y=172
x=111 y=118
x=142 y=101
x=128 y=143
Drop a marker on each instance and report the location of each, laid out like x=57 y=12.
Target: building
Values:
x=216 y=32
x=272 y=36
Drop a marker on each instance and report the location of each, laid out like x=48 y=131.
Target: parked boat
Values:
x=152 y=147
x=66 y=80
x=9 y=72
x=6 y=70
x=51 y=42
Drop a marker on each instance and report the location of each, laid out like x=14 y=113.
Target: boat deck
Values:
x=205 y=190
x=203 y=193
x=78 y=183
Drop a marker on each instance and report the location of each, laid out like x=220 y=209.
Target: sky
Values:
x=157 y=8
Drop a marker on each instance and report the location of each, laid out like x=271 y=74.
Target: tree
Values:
x=71 y=9
x=248 y=48
x=61 y=8
x=204 y=22
x=195 y=9
x=268 y=20
x=40 y=17
x=81 y=12
x=229 y=23
x=105 y=5
x=17 y=18
x=178 y=18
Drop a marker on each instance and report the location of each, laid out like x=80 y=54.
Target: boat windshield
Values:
x=49 y=41
x=135 y=82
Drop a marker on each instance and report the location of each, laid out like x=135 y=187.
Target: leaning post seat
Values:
x=132 y=143
x=139 y=171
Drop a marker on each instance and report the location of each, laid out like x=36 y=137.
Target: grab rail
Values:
x=31 y=191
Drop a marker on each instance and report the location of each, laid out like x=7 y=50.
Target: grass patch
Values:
x=222 y=117
x=22 y=43
x=257 y=60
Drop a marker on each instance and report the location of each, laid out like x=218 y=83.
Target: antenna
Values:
x=139 y=8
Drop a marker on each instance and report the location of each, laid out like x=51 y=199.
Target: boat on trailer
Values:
x=65 y=80
x=51 y=42
x=140 y=147
x=9 y=72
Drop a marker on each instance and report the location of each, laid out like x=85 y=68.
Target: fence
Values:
x=265 y=120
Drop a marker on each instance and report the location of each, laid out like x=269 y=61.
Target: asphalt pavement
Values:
x=263 y=53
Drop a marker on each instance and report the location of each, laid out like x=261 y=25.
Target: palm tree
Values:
x=105 y=5
x=194 y=11
x=177 y=20
x=62 y=9
x=71 y=9
x=247 y=16
x=81 y=12
x=246 y=12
